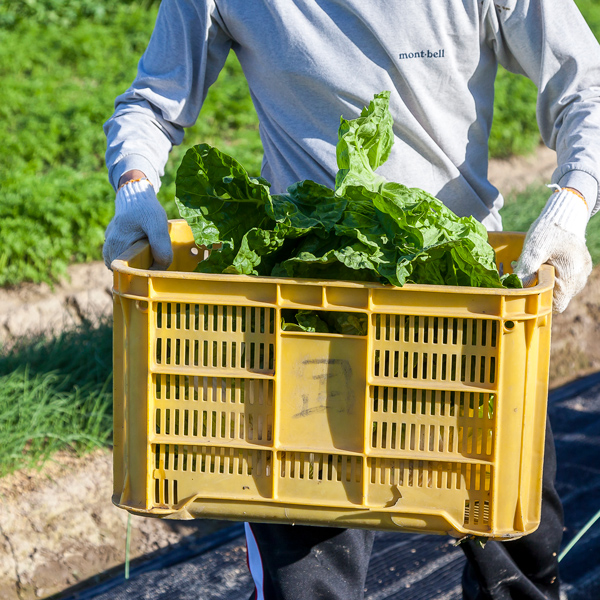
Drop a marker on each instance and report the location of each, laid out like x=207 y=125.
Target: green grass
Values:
x=55 y=393
x=65 y=13
x=58 y=88
x=520 y=211
x=514 y=129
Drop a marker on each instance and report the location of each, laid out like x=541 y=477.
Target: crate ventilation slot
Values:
x=185 y=336
x=477 y=512
x=435 y=348
x=173 y=458
x=320 y=467
x=430 y=474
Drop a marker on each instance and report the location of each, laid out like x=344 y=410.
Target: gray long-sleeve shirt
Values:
x=309 y=61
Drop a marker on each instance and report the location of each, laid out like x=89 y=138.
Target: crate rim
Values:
x=121 y=265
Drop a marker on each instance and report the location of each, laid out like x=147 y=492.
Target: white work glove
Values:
x=557 y=237
x=138 y=215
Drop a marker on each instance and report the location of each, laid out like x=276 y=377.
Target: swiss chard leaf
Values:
x=334 y=257
x=364 y=144
x=367 y=229
x=218 y=198
x=311 y=321
x=306 y=206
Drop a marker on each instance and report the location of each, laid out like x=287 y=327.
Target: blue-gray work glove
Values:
x=557 y=237
x=138 y=215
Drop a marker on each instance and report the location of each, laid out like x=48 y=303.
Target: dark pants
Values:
x=310 y=563
x=527 y=568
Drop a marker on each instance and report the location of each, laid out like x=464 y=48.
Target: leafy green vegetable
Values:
x=312 y=321
x=305 y=320
x=367 y=228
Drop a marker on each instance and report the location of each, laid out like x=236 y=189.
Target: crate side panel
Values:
x=240 y=290
x=448 y=350
x=120 y=433
x=220 y=337
x=320 y=479
x=536 y=401
x=436 y=303
x=322 y=387
x=431 y=423
x=307 y=295
x=345 y=297
x=510 y=416
x=462 y=491
x=137 y=400
x=221 y=410
x=182 y=472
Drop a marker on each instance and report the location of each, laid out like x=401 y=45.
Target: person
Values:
x=309 y=61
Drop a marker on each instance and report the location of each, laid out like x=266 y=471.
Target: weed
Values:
x=55 y=393
x=57 y=92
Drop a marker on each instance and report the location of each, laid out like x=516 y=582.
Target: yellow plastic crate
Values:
x=432 y=422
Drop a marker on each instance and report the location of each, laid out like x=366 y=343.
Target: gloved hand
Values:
x=138 y=214
x=557 y=237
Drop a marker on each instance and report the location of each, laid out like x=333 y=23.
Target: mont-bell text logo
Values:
x=422 y=54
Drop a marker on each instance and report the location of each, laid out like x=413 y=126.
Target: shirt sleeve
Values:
x=186 y=52
x=549 y=42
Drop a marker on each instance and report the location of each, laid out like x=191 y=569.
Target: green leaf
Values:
x=364 y=144
x=218 y=198
x=306 y=205
x=334 y=257
x=308 y=321
x=367 y=229
x=256 y=244
x=311 y=321
x=510 y=280
x=346 y=323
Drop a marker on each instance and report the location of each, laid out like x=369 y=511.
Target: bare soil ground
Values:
x=58 y=526
x=31 y=308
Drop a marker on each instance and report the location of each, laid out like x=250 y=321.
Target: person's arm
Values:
x=186 y=52
x=549 y=42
